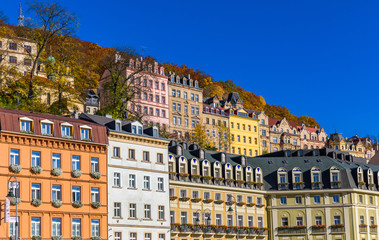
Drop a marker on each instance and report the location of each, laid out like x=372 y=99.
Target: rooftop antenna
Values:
x=20 y=16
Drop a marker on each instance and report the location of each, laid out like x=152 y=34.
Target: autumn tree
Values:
x=122 y=88
x=47 y=20
x=224 y=139
x=3 y=18
x=199 y=136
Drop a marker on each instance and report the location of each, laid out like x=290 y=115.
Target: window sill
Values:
x=116 y=187
x=131 y=159
x=131 y=188
x=148 y=219
x=117 y=157
x=132 y=218
x=162 y=191
x=161 y=220
x=118 y=218
x=144 y=161
x=147 y=190
x=160 y=163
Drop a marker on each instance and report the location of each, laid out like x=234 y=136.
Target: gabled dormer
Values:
x=152 y=131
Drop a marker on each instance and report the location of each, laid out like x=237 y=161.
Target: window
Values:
x=147 y=236
x=146 y=156
x=183 y=217
x=132 y=181
x=163 y=101
x=161 y=215
x=360 y=197
x=284 y=221
x=147 y=211
x=217 y=196
x=84 y=133
x=283 y=200
x=337 y=220
x=132 y=154
x=160 y=157
x=13 y=46
x=56 y=228
x=362 y=219
x=230 y=220
x=12 y=59
x=15 y=156
x=336 y=198
x=36 y=191
x=275 y=140
x=12 y=227
x=218 y=219
x=178 y=93
x=36 y=159
x=298 y=200
x=36 y=226
x=118 y=126
x=316 y=199
x=116 y=152
x=46 y=129
x=56 y=160
x=146 y=182
x=318 y=220
x=240 y=220
x=299 y=221
x=133 y=210
x=192 y=97
x=95 y=196
x=259 y=201
x=66 y=131
x=372 y=221
x=116 y=179
x=95 y=228
x=160 y=184
x=117 y=209
x=75 y=163
x=56 y=192
x=75 y=193
x=163 y=86
x=28 y=49
x=94 y=164
x=117 y=236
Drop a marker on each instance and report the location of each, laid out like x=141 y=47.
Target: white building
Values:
x=138 y=181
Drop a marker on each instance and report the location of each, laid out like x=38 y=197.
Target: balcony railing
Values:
x=292 y=230
x=218 y=230
x=337 y=229
x=373 y=229
x=318 y=229
x=363 y=229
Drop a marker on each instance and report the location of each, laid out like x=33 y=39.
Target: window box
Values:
x=15 y=168
x=15 y=200
x=283 y=227
x=95 y=205
x=229 y=180
x=36 y=169
x=36 y=237
x=68 y=137
x=337 y=225
x=230 y=202
x=56 y=171
x=172 y=198
x=196 y=200
x=57 y=238
x=196 y=176
x=219 y=179
x=27 y=132
x=76 y=173
x=241 y=204
x=182 y=174
x=77 y=238
x=362 y=183
x=47 y=134
x=208 y=177
x=96 y=175
x=77 y=204
x=219 y=201
x=250 y=204
x=96 y=238
x=36 y=202
x=207 y=200
x=260 y=205
x=298 y=183
x=87 y=139
x=56 y=203
x=363 y=225
x=184 y=199
x=373 y=226
x=241 y=181
x=319 y=226
x=335 y=182
x=250 y=182
x=259 y=183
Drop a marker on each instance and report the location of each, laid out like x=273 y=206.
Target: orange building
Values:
x=60 y=164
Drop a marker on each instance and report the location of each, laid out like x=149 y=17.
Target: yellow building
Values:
x=353 y=146
x=244 y=132
x=211 y=193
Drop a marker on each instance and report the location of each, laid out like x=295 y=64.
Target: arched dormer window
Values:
x=360 y=176
x=206 y=168
x=196 y=83
x=282 y=177
x=370 y=177
x=297 y=178
x=288 y=154
x=179 y=150
x=202 y=154
x=177 y=79
x=195 y=170
x=171 y=164
x=316 y=178
x=249 y=175
x=217 y=170
x=207 y=109
x=243 y=160
x=217 y=111
x=258 y=175
x=335 y=181
x=274 y=129
x=228 y=171
x=183 y=167
x=238 y=172
x=223 y=157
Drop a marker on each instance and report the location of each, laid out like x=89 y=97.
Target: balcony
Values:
x=363 y=228
x=338 y=228
x=318 y=229
x=373 y=229
x=297 y=230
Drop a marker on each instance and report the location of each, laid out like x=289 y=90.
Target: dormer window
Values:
x=85 y=133
x=243 y=161
x=179 y=150
x=223 y=160
x=202 y=154
x=118 y=126
x=139 y=130
x=315 y=152
x=297 y=177
x=282 y=179
x=66 y=130
x=26 y=125
x=335 y=177
x=316 y=178
x=300 y=153
x=46 y=127
x=155 y=132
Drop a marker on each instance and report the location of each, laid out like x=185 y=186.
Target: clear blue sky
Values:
x=318 y=58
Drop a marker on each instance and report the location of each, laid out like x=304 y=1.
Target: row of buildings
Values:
x=98 y=177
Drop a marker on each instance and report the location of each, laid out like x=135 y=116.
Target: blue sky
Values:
x=318 y=58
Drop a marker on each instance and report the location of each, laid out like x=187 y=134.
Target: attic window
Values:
x=243 y=160
x=315 y=152
x=118 y=126
x=85 y=133
x=288 y=154
x=66 y=130
x=300 y=153
x=222 y=157
x=202 y=154
x=179 y=150
x=270 y=162
x=306 y=160
x=26 y=124
x=285 y=161
x=319 y=160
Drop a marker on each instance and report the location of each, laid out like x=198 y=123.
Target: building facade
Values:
x=138 y=183
x=312 y=138
x=283 y=135
x=211 y=193
x=186 y=102
x=338 y=142
x=264 y=132
x=60 y=166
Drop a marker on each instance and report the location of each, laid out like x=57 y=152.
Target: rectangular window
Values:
x=56 y=192
x=283 y=200
x=250 y=221
x=183 y=193
x=46 y=129
x=133 y=236
x=147 y=211
x=84 y=134
x=132 y=181
x=336 y=198
x=218 y=219
x=28 y=49
x=13 y=46
x=298 y=200
x=116 y=179
x=75 y=193
x=95 y=228
x=36 y=191
x=116 y=152
x=299 y=221
x=230 y=220
x=95 y=195
x=56 y=227
x=56 y=160
x=132 y=154
x=146 y=182
x=284 y=221
x=161 y=215
x=36 y=226
x=66 y=131
x=160 y=184
x=161 y=236
x=147 y=236
x=240 y=220
x=317 y=199
x=94 y=164
x=36 y=159
x=75 y=163
x=183 y=218
x=12 y=226
x=117 y=209
x=133 y=210
x=15 y=156
x=318 y=220
x=117 y=236
x=12 y=59
x=160 y=157
x=146 y=156
x=337 y=220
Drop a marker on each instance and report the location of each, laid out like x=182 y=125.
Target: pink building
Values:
x=152 y=102
x=311 y=138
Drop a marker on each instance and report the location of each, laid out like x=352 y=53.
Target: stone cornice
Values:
x=138 y=139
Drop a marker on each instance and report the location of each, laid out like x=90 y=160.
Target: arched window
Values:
x=223 y=157
x=243 y=160
x=228 y=171
x=370 y=177
x=179 y=150
x=183 y=168
x=258 y=175
x=316 y=178
x=195 y=167
x=282 y=177
x=249 y=174
x=335 y=177
x=206 y=168
x=297 y=178
x=360 y=176
x=202 y=154
x=171 y=164
x=238 y=172
x=217 y=170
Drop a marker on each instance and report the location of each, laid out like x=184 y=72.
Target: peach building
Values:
x=60 y=164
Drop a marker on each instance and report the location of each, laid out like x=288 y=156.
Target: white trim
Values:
x=46 y=121
x=85 y=127
x=67 y=124
x=26 y=119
